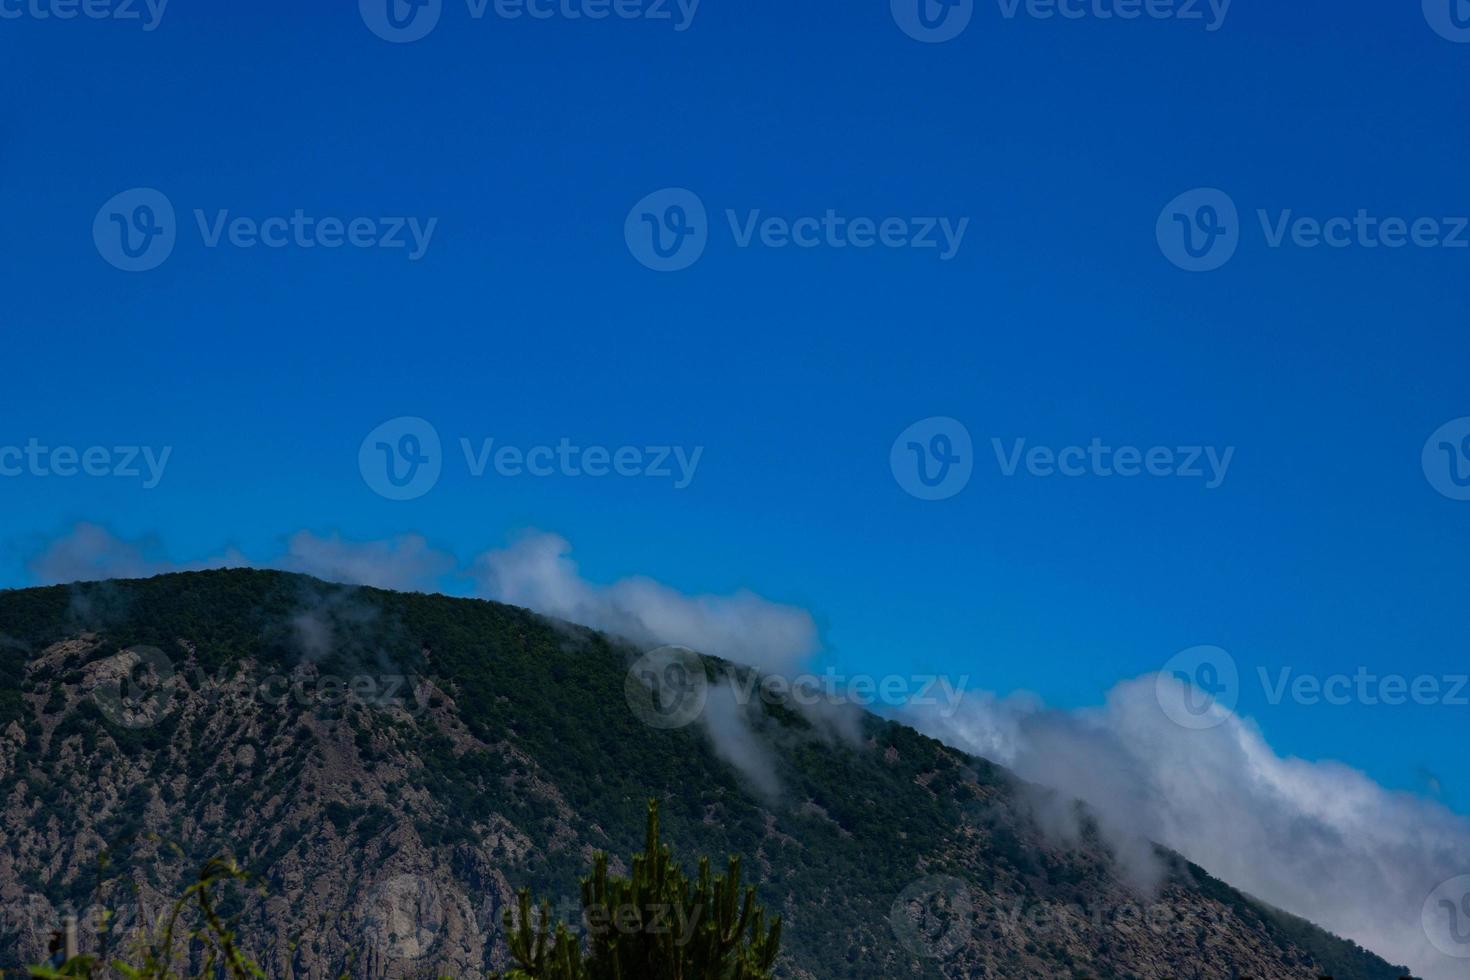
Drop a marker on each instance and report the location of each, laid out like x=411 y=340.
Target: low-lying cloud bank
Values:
x=536 y=571
x=1318 y=839
x=89 y=552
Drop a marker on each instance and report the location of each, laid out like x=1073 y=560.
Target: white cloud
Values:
x=536 y=571
x=1315 y=838
x=406 y=563
x=89 y=552
x=736 y=741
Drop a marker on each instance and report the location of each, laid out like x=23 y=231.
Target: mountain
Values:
x=394 y=766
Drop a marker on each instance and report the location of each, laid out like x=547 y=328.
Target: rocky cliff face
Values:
x=393 y=767
x=239 y=775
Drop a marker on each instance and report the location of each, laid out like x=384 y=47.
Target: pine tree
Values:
x=653 y=925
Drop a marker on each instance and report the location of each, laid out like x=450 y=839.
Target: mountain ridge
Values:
x=495 y=749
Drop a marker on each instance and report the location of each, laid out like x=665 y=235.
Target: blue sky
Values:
x=528 y=319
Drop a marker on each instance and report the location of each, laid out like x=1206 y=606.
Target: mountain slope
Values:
x=468 y=749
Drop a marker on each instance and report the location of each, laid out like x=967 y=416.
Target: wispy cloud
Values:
x=89 y=552
x=1316 y=838
x=537 y=571
x=406 y=563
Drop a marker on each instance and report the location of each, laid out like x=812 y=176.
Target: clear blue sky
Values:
x=529 y=320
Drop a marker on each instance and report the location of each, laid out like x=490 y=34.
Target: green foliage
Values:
x=652 y=925
x=13 y=656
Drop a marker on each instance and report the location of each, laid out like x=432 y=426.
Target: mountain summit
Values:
x=394 y=767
